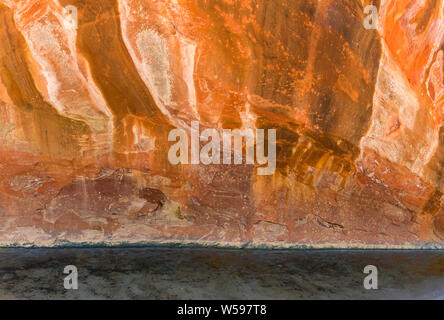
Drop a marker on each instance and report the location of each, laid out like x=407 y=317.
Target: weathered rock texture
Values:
x=85 y=115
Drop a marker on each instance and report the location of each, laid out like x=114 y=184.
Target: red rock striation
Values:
x=87 y=101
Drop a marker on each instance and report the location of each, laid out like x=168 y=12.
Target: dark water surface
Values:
x=165 y=273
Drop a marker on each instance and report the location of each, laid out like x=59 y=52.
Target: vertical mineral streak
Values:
x=86 y=109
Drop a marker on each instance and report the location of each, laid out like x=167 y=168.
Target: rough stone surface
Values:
x=85 y=114
x=195 y=274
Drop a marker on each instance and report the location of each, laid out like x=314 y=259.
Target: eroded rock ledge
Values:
x=85 y=112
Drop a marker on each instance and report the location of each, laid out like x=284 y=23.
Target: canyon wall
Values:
x=90 y=91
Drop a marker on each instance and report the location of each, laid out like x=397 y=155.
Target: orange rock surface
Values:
x=86 y=107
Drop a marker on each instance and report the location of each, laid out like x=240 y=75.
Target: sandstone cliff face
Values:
x=86 y=107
